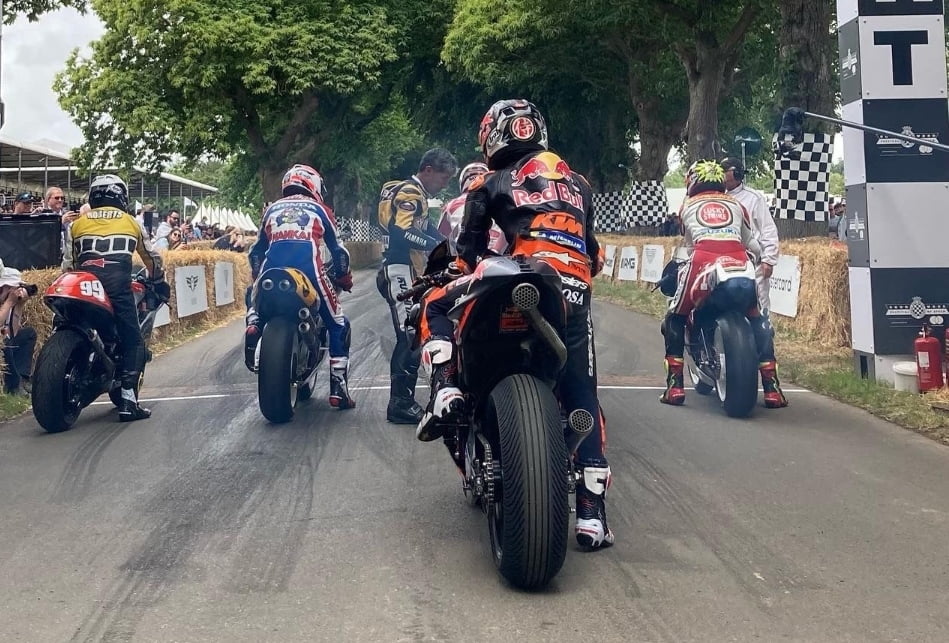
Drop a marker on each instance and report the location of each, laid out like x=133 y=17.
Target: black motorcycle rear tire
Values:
x=275 y=390
x=63 y=352
x=741 y=372
x=529 y=524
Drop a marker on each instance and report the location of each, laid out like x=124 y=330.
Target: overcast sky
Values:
x=33 y=53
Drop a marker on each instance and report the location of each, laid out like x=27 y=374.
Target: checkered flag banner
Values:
x=643 y=205
x=358 y=230
x=800 y=184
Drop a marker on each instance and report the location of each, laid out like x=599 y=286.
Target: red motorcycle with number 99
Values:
x=78 y=362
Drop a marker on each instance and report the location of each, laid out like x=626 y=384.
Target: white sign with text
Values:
x=191 y=290
x=654 y=258
x=629 y=264
x=785 y=285
x=223 y=283
x=609 y=261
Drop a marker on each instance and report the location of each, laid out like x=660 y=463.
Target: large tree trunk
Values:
x=271 y=177
x=705 y=70
x=656 y=138
x=709 y=66
x=805 y=50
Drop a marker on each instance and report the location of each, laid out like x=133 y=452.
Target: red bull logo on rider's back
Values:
x=557 y=185
x=546 y=164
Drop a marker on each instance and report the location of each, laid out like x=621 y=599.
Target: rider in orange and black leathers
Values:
x=546 y=211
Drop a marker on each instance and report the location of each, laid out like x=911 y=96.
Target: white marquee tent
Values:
x=224 y=217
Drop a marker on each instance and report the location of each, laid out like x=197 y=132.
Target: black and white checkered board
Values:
x=644 y=205
x=358 y=230
x=800 y=185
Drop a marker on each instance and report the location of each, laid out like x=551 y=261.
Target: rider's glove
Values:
x=454 y=271
x=162 y=289
x=344 y=282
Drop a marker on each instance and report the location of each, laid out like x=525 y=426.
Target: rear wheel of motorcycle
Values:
x=528 y=523
x=738 y=361
x=276 y=392
x=57 y=380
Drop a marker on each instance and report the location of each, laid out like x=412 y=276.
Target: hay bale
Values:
x=823 y=311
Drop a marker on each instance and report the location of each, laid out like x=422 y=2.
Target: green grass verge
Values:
x=14 y=405
x=825 y=371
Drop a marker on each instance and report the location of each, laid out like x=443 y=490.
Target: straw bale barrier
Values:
x=37 y=315
x=823 y=315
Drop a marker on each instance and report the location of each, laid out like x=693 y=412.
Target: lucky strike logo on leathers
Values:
x=715 y=215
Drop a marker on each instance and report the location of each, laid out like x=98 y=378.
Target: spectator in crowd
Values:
x=19 y=341
x=148 y=220
x=231 y=240
x=837 y=221
x=189 y=233
x=170 y=241
x=670 y=226
x=23 y=204
x=55 y=202
x=171 y=220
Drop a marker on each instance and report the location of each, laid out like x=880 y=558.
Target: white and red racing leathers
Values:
x=450 y=226
x=714 y=225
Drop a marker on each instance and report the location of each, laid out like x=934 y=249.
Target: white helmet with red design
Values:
x=512 y=122
x=469 y=173
x=303 y=179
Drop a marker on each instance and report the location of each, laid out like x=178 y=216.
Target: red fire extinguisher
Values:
x=928 y=361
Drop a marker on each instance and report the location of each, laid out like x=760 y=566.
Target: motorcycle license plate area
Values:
x=512 y=320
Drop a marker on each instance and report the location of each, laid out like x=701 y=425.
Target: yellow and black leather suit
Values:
x=403 y=215
x=107 y=238
x=103 y=242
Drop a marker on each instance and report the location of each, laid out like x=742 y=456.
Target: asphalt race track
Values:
x=206 y=523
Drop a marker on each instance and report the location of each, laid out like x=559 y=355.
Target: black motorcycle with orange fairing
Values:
x=512 y=446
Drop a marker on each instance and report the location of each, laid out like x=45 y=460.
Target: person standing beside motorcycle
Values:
x=403 y=216
x=766 y=233
x=452 y=212
x=714 y=225
x=102 y=241
x=545 y=210
x=292 y=230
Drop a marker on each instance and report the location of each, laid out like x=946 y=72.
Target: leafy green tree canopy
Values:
x=33 y=9
x=190 y=77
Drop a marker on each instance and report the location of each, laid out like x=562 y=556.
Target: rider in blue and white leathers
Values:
x=292 y=231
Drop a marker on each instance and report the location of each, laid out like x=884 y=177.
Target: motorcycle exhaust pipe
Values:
x=304 y=328
x=99 y=349
x=526 y=297
x=303 y=313
x=580 y=422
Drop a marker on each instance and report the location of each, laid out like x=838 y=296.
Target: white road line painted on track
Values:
x=662 y=388
x=178 y=398
x=216 y=396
